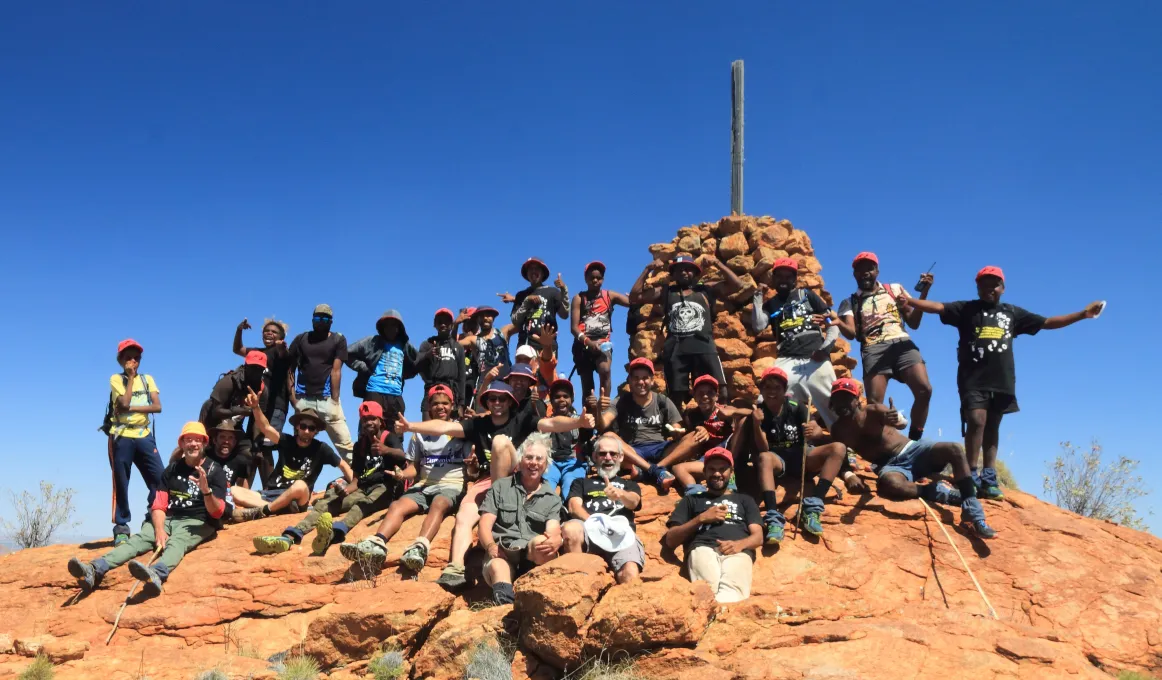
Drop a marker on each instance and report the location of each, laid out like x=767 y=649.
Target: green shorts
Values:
x=424 y=495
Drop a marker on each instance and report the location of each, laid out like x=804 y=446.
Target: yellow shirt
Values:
x=132 y=425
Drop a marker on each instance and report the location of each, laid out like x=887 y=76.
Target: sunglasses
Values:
x=319 y=317
x=601 y=454
x=308 y=427
x=494 y=398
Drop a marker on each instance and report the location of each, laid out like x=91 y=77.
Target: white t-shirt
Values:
x=438 y=460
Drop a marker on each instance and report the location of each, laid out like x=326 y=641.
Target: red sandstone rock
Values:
x=672 y=612
x=449 y=646
x=553 y=603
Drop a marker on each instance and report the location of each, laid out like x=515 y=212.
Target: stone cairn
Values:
x=741 y=243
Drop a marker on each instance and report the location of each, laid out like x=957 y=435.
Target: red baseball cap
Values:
x=596 y=264
x=684 y=261
x=484 y=310
x=991 y=271
x=470 y=311
x=845 y=385
x=441 y=389
x=719 y=452
x=641 y=362
x=708 y=379
x=442 y=311
x=255 y=358
x=370 y=409
x=869 y=256
x=786 y=263
x=561 y=383
x=774 y=372
x=524 y=268
x=126 y=344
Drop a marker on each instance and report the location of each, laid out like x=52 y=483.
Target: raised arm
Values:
x=260 y=421
x=1090 y=312
x=566 y=423
x=238 y=348
x=730 y=282
x=759 y=319
x=563 y=302
x=432 y=428
x=640 y=294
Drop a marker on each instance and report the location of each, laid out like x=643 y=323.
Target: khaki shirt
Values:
x=519 y=519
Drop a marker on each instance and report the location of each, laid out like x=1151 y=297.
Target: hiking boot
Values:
x=812 y=523
x=150 y=580
x=247 y=514
x=980 y=528
x=86 y=575
x=367 y=550
x=941 y=492
x=453 y=577
x=415 y=557
x=775 y=533
x=324 y=533
x=271 y=545
x=992 y=493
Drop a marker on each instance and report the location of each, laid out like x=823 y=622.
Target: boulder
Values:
x=740 y=264
x=449 y=647
x=732 y=246
x=729 y=326
x=732 y=349
x=672 y=612
x=553 y=603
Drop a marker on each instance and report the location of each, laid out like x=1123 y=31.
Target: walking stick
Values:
x=133 y=589
x=803 y=473
x=975 y=582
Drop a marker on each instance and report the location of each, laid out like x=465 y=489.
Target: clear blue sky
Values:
x=168 y=170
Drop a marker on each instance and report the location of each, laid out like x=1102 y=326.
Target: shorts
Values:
x=914 y=462
x=517 y=559
x=792 y=465
x=996 y=403
x=270 y=495
x=476 y=490
x=424 y=495
x=586 y=360
x=635 y=553
x=651 y=451
x=680 y=368
x=890 y=358
x=393 y=405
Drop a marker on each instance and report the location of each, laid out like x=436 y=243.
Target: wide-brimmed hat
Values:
x=310 y=414
x=498 y=387
x=224 y=425
x=533 y=262
x=611 y=533
x=194 y=429
x=485 y=309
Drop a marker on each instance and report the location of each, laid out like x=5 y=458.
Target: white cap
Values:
x=526 y=352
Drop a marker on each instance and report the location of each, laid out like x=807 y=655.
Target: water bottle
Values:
x=606 y=347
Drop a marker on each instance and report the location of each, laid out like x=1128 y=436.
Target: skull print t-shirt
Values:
x=985 y=352
x=299 y=462
x=591 y=491
x=185 y=498
x=690 y=320
x=741 y=513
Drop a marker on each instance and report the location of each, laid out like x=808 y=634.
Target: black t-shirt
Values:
x=480 y=430
x=314 y=361
x=690 y=320
x=742 y=511
x=492 y=351
x=591 y=491
x=784 y=430
x=236 y=466
x=636 y=424
x=300 y=462
x=717 y=425
x=278 y=364
x=369 y=466
x=985 y=352
x=568 y=445
x=797 y=334
x=544 y=313
x=185 y=498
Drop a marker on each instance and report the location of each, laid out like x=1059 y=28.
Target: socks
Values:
x=821 y=488
x=382 y=538
x=265 y=510
x=770 y=500
x=967 y=488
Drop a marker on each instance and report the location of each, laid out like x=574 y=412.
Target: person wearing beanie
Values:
x=383 y=363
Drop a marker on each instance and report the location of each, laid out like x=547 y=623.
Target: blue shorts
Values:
x=651 y=451
x=914 y=462
x=271 y=495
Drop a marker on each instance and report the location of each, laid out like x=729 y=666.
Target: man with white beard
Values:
x=602 y=508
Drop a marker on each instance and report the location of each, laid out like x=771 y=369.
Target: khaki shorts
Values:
x=729 y=576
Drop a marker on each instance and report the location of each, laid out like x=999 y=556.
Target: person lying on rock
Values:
x=570 y=433
x=591 y=322
x=494 y=436
x=436 y=464
x=720 y=530
x=301 y=458
x=375 y=464
x=688 y=306
x=873 y=432
x=602 y=505
x=801 y=322
x=643 y=420
x=708 y=424
x=520 y=524
x=185 y=511
x=872 y=316
x=986 y=374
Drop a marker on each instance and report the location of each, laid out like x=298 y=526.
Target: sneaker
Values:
x=812 y=523
x=453 y=577
x=942 y=492
x=775 y=534
x=271 y=545
x=367 y=550
x=665 y=480
x=980 y=528
x=120 y=539
x=992 y=493
x=324 y=532
x=415 y=557
x=85 y=574
x=150 y=579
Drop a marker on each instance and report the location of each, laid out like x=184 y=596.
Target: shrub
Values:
x=1082 y=482
x=488 y=662
x=37 y=519
x=40 y=669
x=387 y=666
x=299 y=668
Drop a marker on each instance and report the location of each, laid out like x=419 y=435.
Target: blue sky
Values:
x=169 y=169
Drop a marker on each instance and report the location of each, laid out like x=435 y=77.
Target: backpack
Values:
x=111 y=413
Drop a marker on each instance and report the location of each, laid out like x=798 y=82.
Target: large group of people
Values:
x=505 y=446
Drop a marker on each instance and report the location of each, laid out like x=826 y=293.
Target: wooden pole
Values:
x=736 y=119
x=992 y=612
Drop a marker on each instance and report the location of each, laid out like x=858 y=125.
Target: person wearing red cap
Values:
x=591 y=322
x=688 y=308
x=873 y=431
x=185 y=512
x=803 y=329
x=279 y=385
x=375 y=480
x=720 y=530
x=643 y=420
x=466 y=330
x=227 y=402
x=133 y=396
x=570 y=433
x=491 y=347
x=436 y=465
x=538 y=304
x=872 y=316
x=383 y=363
x=708 y=424
x=986 y=374
x=440 y=360
x=317 y=358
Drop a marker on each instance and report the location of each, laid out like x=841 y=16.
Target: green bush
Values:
x=41 y=669
x=387 y=666
x=299 y=668
x=214 y=674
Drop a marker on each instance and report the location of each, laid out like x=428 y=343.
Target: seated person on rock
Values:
x=708 y=424
x=520 y=524
x=301 y=458
x=720 y=530
x=374 y=463
x=872 y=432
x=570 y=433
x=602 y=505
x=436 y=465
x=185 y=512
x=225 y=451
x=643 y=419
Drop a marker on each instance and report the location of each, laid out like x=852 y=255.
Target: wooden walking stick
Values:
x=964 y=562
x=803 y=470
x=133 y=589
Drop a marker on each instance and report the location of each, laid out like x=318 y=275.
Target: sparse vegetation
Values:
x=35 y=520
x=40 y=669
x=387 y=666
x=1082 y=482
x=214 y=674
x=600 y=669
x=1134 y=675
x=488 y=662
x=299 y=668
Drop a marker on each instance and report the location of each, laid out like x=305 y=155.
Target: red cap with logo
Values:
x=441 y=389
x=642 y=362
x=706 y=380
x=845 y=385
x=255 y=358
x=990 y=271
x=774 y=372
x=785 y=263
x=719 y=452
x=866 y=255
x=127 y=343
x=370 y=409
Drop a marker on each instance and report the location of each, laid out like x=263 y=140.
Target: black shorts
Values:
x=586 y=360
x=392 y=404
x=681 y=370
x=996 y=403
x=890 y=358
